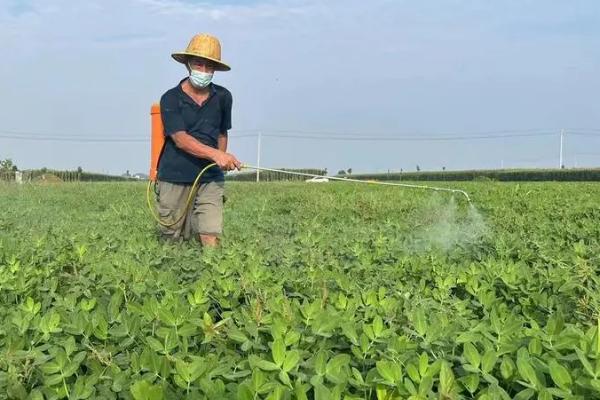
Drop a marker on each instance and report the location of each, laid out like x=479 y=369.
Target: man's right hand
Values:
x=226 y=161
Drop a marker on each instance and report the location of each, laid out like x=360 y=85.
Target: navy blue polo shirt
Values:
x=179 y=112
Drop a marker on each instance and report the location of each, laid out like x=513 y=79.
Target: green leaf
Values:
x=390 y=372
x=420 y=322
x=244 y=392
x=497 y=393
x=507 y=367
x=207 y=319
x=285 y=379
x=69 y=345
x=560 y=375
x=595 y=383
x=73 y=366
x=114 y=305
x=300 y=390
x=50 y=368
x=262 y=364
x=143 y=390
x=555 y=323
x=489 y=361
x=258 y=378
x=155 y=344
x=119 y=381
x=53 y=380
x=320 y=362
x=423 y=364
x=278 y=351
x=277 y=393
x=81 y=389
x=357 y=376
x=338 y=362
x=198 y=367
x=470 y=368
x=292 y=338
x=413 y=373
x=489 y=378
x=526 y=371
x=35 y=394
x=291 y=359
x=187 y=330
x=87 y=305
x=597 y=344
x=349 y=330
x=183 y=370
x=471 y=354
x=237 y=335
x=337 y=369
x=377 y=326
x=171 y=341
x=535 y=346
x=525 y=394
x=322 y=393
x=586 y=364
x=425 y=385
x=471 y=382
x=446 y=379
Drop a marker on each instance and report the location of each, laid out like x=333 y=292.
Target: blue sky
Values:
x=379 y=68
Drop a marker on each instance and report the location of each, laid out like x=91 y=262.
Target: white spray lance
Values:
x=335 y=178
x=196 y=183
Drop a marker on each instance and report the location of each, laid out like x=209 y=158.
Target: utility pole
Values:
x=562 y=134
x=258 y=157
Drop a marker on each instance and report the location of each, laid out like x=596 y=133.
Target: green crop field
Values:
x=320 y=291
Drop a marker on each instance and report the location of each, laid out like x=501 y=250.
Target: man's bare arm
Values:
x=190 y=145
x=223 y=142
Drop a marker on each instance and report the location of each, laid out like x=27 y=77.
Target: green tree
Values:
x=7 y=165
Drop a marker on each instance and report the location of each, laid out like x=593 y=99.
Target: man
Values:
x=196 y=115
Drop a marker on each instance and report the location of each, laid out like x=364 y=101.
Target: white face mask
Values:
x=199 y=79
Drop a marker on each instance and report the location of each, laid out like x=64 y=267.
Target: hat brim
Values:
x=182 y=57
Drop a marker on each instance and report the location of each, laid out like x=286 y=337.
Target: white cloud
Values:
x=232 y=12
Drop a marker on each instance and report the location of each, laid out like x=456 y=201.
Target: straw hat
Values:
x=204 y=46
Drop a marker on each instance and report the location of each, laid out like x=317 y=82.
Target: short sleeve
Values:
x=226 y=112
x=171 y=115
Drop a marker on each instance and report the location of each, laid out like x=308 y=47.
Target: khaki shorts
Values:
x=204 y=217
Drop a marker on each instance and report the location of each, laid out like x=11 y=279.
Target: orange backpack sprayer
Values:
x=157 y=140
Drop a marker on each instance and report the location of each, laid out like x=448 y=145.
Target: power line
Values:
x=409 y=138
x=580 y=133
x=298 y=134
x=72 y=139
x=353 y=134
x=582 y=129
x=80 y=139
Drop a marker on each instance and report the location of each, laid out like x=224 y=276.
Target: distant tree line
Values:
x=52 y=175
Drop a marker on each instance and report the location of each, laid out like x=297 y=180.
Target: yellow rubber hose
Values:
x=188 y=204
